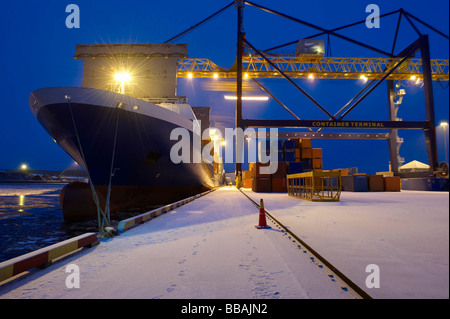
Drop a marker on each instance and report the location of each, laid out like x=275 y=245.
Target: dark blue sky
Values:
x=37 y=51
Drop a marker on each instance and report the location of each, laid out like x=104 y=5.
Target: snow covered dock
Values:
x=209 y=248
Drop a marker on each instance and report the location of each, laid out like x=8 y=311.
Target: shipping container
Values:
x=289 y=146
x=248 y=183
x=344 y=171
x=298 y=154
x=257 y=170
x=316 y=153
x=281 y=170
x=392 y=183
x=289 y=157
x=294 y=167
x=425 y=184
x=317 y=163
x=306 y=153
x=262 y=185
x=279 y=185
x=375 y=183
x=247 y=175
x=296 y=142
x=307 y=164
x=354 y=183
x=305 y=143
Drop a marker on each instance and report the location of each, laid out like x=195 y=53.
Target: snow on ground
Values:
x=405 y=233
x=208 y=248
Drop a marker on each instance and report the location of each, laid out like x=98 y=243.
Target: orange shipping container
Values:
x=298 y=154
x=246 y=175
x=317 y=163
x=316 y=152
x=392 y=183
x=344 y=171
x=306 y=153
x=305 y=142
x=248 y=183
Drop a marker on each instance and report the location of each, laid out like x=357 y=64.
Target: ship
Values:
x=117 y=126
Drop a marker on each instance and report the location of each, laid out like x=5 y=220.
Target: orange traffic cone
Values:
x=262 y=217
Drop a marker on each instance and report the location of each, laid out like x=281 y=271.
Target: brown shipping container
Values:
x=392 y=183
x=257 y=171
x=279 y=185
x=298 y=154
x=306 y=142
x=306 y=153
x=262 y=185
x=317 y=163
x=375 y=183
x=316 y=153
x=281 y=171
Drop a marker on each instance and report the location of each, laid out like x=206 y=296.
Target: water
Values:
x=31 y=218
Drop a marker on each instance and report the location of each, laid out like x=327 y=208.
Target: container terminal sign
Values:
x=336 y=124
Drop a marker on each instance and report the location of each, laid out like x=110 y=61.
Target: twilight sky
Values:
x=37 y=51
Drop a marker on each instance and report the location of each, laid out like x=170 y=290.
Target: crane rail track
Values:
x=353 y=288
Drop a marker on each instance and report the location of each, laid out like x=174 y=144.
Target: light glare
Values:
x=247 y=98
x=122 y=77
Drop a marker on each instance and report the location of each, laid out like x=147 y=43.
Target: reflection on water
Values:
x=31 y=218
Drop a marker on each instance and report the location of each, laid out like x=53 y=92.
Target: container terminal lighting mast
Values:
x=254 y=64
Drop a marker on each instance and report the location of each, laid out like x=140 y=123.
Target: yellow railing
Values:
x=315 y=186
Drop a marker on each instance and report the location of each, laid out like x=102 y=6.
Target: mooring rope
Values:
x=107 y=206
x=101 y=223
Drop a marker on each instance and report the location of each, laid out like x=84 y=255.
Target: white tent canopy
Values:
x=414 y=165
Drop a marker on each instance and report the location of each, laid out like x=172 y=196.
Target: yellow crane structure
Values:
x=320 y=68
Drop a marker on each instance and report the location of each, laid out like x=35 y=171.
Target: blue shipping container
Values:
x=289 y=146
x=295 y=167
x=289 y=157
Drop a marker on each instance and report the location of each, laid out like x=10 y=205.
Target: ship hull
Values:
x=128 y=147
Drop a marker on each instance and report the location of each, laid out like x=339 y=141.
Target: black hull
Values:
x=143 y=172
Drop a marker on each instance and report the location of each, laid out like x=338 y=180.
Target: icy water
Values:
x=31 y=218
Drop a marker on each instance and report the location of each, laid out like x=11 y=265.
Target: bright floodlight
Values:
x=363 y=78
x=122 y=77
x=444 y=124
x=24 y=166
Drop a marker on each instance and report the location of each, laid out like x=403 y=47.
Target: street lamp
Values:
x=444 y=126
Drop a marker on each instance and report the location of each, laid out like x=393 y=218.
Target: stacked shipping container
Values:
x=294 y=156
